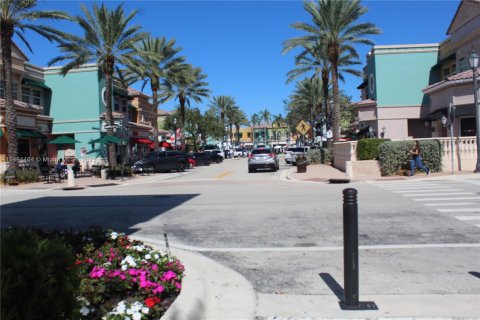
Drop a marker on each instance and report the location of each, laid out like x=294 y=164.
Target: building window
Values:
x=116 y=105
x=462 y=65
x=2 y=90
x=26 y=95
x=124 y=105
x=446 y=72
x=249 y=135
x=36 y=98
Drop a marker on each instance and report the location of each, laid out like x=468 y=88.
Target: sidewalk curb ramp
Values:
x=209 y=290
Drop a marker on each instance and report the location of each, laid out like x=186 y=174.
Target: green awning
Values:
x=30 y=134
x=34 y=83
x=107 y=140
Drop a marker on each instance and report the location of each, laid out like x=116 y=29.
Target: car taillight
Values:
x=250 y=155
x=271 y=155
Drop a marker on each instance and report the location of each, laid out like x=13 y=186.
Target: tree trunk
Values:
x=10 y=114
x=336 y=107
x=325 y=91
x=109 y=118
x=181 y=99
x=155 y=114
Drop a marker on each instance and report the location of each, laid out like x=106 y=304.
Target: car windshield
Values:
x=261 y=151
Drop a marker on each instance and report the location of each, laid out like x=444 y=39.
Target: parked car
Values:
x=292 y=153
x=201 y=158
x=215 y=155
x=159 y=161
x=262 y=158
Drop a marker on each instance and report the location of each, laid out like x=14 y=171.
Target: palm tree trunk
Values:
x=325 y=91
x=155 y=115
x=109 y=117
x=182 y=100
x=11 y=114
x=336 y=107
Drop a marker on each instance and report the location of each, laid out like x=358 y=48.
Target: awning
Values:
x=34 y=83
x=144 y=141
x=30 y=134
x=460 y=111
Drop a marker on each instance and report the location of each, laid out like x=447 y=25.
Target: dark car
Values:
x=162 y=161
x=215 y=155
x=201 y=158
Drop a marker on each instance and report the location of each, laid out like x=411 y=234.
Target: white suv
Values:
x=293 y=152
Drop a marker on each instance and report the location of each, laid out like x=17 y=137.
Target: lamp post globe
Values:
x=473 y=61
x=175 y=131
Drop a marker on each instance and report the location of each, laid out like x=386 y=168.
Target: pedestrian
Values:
x=59 y=167
x=76 y=167
x=417 y=159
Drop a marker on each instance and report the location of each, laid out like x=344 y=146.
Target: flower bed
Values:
x=126 y=279
x=84 y=275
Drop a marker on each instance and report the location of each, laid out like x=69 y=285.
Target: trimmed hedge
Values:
x=38 y=276
x=317 y=156
x=367 y=149
x=394 y=156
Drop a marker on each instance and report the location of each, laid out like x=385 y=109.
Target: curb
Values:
x=209 y=290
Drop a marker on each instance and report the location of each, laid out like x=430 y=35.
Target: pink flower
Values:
x=178 y=285
x=169 y=275
x=154 y=267
x=158 y=289
x=100 y=254
x=97 y=272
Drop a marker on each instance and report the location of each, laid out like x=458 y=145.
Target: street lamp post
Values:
x=473 y=61
x=175 y=131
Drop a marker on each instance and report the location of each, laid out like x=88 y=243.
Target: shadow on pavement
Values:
x=333 y=285
x=120 y=213
x=476 y=274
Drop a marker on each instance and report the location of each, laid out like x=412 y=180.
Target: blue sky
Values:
x=238 y=44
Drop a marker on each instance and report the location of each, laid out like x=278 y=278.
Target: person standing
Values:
x=417 y=160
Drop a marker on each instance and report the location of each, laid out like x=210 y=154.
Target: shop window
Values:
x=36 y=97
x=23 y=148
x=249 y=135
x=26 y=95
x=468 y=127
x=446 y=72
x=462 y=65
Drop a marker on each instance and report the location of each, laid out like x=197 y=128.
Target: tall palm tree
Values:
x=255 y=121
x=107 y=40
x=184 y=83
x=16 y=16
x=265 y=116
x=157 y=58
x=239 y=118
x=278 y=122
x=335 y=24
x=221 y=106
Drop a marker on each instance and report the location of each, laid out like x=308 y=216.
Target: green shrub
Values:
x=367 y=149
x=38 y=277
x=322 y=155
x=26 y=176
x=394 y=155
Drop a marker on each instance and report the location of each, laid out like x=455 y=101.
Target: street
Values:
x=285 y=237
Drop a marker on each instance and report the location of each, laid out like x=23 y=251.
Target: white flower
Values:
x=84 y=311
x=156 y=256
x=124 y=267
x=148 y=257
x=137 y=316
x=113 y=235
x=139 y=248
x=145 y=310
x=128 y=260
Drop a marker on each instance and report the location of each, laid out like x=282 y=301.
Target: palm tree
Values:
x=255 y=121
x=108 y=40
x=277 y=121
x=266 y=116
x=237 y=118
x=157 y=57
x=334 y=24
x=16 y=16
x=220 y=106
x=184 y=83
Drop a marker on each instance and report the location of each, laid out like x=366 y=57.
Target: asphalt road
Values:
x=416 y=237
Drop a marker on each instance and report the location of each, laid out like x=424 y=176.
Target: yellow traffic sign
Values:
x=303 y=127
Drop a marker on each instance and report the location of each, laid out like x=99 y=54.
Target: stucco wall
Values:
x=401 y=77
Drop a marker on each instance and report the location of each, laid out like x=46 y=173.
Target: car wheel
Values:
x=275 y=169
x=250 y=170
x=218 y=161
x=180 y=166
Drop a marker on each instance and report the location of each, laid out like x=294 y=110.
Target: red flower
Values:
x=150 y=302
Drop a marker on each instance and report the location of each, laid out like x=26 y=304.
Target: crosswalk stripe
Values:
x=436 y=194
x=447 y=199
x=449 y=204
x=429 y=190
x=460 y=210
x=468 y=217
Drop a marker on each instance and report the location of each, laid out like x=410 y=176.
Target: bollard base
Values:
x=362 y=305
x=339 y=180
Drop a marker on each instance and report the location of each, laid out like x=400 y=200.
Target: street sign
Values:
x=303 y=127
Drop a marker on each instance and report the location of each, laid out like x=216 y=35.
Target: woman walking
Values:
x=417 y=160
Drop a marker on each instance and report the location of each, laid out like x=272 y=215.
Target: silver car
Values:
x=262 y=158
x=293 y=152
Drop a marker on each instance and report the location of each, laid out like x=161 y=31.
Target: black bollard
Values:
x=350 y=247
x=350 y=255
